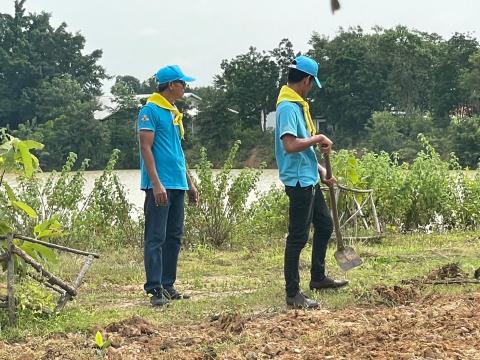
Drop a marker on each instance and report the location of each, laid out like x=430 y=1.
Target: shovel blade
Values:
x=347 y=258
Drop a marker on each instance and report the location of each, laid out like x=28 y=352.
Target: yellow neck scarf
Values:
x=288 y=94
x=159 y=100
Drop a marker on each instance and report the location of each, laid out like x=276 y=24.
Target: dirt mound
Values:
x=437 y=327
x=134 y=326
x=231 y=322
x=449 y=271
x=396 y=295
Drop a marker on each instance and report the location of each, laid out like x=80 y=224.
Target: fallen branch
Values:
x=55 y=246
x=452 y=281
x=52 y=279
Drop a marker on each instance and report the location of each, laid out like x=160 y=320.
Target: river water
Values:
x=131 y=180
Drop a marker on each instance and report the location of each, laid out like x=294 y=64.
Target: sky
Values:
x=140 y=36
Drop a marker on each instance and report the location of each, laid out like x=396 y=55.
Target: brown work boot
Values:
x=301 y=301
x=327 y=283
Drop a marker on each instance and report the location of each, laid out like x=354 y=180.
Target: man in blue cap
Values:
x=164 y=179
x=299 y=170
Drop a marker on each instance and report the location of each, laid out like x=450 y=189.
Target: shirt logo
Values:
x=145 y=118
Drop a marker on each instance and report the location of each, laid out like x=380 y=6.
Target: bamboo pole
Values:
x=55 y=246
x=41 y=280
x=11 y=282
x=52 y=279
x=65 y=297
x=374 y=213
x=361 y=212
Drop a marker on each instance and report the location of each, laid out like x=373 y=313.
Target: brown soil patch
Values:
x=439 y=327
x=449 y=271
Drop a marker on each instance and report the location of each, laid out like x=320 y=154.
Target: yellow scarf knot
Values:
x=288 y=94
x=159 y=100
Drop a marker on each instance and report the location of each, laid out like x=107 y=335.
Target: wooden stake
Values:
x=11 y=282
x=66 y=297
x=55 y=246
x=52 y=279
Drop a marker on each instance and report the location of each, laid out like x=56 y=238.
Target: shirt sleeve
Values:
x=287 y=121
x=145 y=119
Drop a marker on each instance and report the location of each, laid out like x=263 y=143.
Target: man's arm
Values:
x=323 y=176
x=146 y=141
x=293 y=144
x=192 y=190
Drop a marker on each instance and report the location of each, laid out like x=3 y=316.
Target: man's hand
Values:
x=325 y=143
x=160 y=195
x=323 y=177
x=193 y=195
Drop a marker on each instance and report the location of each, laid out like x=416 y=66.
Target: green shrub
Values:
x=223 y=200
x=267 y=223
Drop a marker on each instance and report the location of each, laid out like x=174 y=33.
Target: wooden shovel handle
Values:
x=333 y=200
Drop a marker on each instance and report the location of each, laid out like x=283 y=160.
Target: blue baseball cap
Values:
x=307 y=65
x=171 y=73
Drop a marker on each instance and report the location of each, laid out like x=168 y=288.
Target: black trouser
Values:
x=307 y=205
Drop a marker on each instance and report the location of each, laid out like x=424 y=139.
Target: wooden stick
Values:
x=452 y=281
x=42 y=281
x=11 y=282
x=52 y=279
x=374 y=213
x=55 y=246
x=361 y=212
x=359 y=191
x=83 y=271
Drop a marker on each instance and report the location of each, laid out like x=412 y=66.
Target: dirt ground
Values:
x=432 y=327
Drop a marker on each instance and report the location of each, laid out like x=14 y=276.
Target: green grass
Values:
x=242 y=281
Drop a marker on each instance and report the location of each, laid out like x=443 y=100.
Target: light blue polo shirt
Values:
x=298 y=167
x=166 y=148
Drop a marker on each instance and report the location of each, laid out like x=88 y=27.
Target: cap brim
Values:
x=318 y=82
x=187 y=79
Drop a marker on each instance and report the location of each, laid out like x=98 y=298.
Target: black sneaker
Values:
x=158 y=298
x=173 y=294
x=301 y=301
x=327 y=283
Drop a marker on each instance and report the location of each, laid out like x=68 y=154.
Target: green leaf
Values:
x=99 y=339
x=107 y=344
x=38 y=251
x=48 y=228
x=25 y=208
x=4 y=228
x=10 y=193
x=26 y=159
x=31 y=144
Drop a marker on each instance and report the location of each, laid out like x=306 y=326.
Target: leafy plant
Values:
x=223 y=200
x=102 y=345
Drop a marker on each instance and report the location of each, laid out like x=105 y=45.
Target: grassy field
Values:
x=238 y=284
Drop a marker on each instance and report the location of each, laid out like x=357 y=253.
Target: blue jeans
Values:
x=162 y=239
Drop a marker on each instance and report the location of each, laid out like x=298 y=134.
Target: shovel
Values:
x=346 y=257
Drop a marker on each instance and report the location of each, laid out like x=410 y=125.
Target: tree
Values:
x=215 y=123
x=464 y=134
x=383 y=131
x=408 y=58
x=32 y=53
x=470 y=81
x=451 y=61
x=250 y=83
x=283 y=55
x=353 y=82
